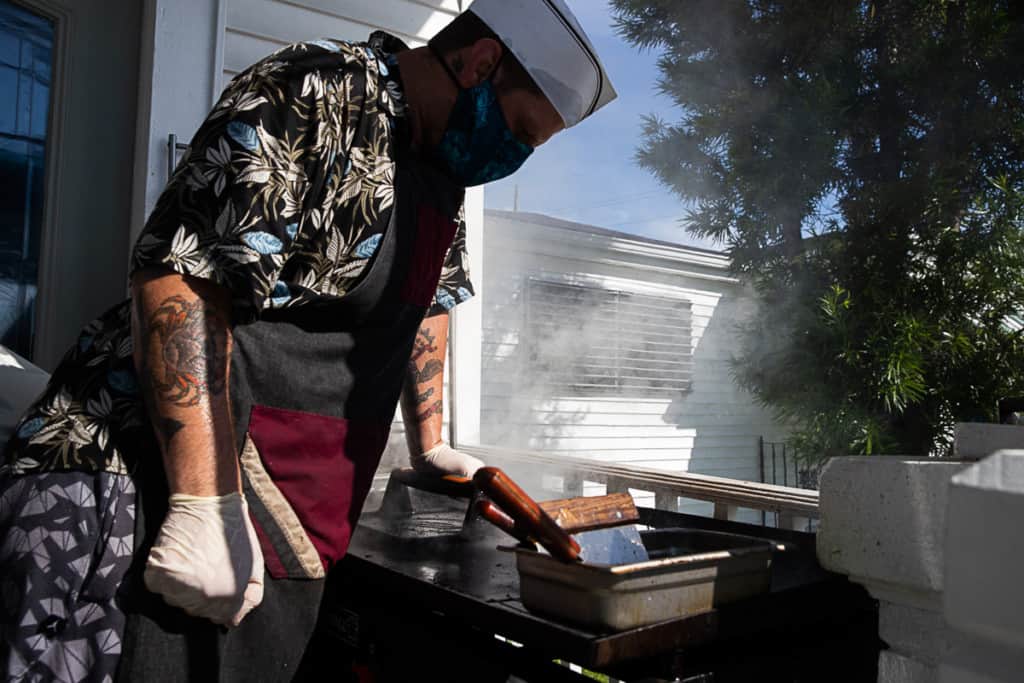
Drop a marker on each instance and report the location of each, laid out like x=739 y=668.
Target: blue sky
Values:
x=587 y=173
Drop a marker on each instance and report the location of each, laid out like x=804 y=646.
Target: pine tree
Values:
x=863 y=162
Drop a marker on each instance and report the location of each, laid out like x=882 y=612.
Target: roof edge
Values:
x=671 y=249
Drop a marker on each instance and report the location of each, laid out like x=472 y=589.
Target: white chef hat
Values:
x=550 y=44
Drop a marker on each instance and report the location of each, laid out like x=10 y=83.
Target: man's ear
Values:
x=481 y=62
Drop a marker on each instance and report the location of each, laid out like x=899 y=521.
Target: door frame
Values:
x=62 y=17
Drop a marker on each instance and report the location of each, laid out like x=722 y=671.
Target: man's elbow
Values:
x=155 y=284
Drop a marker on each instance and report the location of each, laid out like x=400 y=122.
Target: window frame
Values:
x=639 y=386
x=46 y=302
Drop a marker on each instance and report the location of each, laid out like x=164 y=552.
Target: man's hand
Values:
x=207 y=559
x=442 y=459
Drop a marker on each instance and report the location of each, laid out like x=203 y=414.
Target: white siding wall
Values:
x=255 y=28
x=712 y=429
x=192 y=49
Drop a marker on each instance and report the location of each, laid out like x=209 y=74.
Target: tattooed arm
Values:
x=422 y=395
x=422 y=405
x=182 y=340
x=206 y=558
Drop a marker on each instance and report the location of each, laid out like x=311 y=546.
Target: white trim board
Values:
x=539 y=228
x=612 y=282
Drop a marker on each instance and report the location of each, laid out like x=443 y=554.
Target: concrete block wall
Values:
x=984 y=590
x=939 y=544
x=883 y=524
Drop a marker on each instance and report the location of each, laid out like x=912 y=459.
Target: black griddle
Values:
x=429 y=577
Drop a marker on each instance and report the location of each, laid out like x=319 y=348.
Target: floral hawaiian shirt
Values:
x=282 y=197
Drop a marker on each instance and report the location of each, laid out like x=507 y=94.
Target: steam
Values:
x=527 y=404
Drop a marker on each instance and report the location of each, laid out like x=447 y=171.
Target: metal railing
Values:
x=778 y=462
x=793 y=507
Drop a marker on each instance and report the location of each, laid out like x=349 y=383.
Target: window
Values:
x=589 y=340
x=26 y=54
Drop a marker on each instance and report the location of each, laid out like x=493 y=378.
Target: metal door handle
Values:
x=173 y=147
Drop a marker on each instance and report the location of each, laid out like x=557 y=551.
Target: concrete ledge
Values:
x=977 y=440
x=973 y=660
x=883 y=520
x=912 y=632
x=883 y=524
x=895 y=668
x=985 y=556
x=984 y=598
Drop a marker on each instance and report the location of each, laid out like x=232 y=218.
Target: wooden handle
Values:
x=495 y=516
x=592 y=512
x=526 y=513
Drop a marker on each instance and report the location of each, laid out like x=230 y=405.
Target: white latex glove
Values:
x=207 y=558
x=442 y=459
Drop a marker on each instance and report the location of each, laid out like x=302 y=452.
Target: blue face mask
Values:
x=477 y=146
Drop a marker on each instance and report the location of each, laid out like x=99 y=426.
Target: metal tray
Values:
x=690 y=571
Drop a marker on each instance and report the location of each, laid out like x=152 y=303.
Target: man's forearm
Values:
x=182 y=340
x=423 y=392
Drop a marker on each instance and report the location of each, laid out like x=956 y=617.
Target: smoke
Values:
x=542 y=390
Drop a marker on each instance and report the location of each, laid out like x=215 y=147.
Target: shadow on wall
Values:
x=725 y=421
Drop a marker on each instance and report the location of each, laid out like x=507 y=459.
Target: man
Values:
x=294 y=275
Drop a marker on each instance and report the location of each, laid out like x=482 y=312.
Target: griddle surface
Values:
x=479 y=585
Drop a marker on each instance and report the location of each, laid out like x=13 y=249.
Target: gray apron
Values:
x=313 y=393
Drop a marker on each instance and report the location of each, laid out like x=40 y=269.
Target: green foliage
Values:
x=864 y=163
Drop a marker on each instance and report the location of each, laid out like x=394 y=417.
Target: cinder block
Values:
x=977 y=440
x=912 y=632
x=985 y=551
x=895 y=668
x=883 y=522
x=975 y=660
x=954 y=674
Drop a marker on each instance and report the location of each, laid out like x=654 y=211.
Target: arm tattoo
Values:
x=430 y=370
x=425 y=343
x=193 y=351
x=435 y=408
x=166 y=428
x=422 y=398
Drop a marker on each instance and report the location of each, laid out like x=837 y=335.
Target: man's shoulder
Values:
x=384 y=42
x=314 y=54
x=328 y=51
x=285 y=73
x=290 y=67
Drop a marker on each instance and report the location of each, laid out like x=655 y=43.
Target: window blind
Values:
x=590 y=340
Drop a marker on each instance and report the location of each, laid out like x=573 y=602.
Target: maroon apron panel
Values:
x=323 y=465
x=434 y=234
